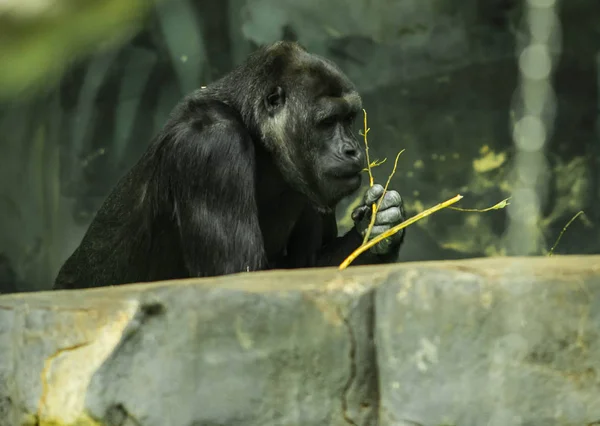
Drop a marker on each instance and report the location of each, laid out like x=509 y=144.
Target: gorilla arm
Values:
x=211 y=168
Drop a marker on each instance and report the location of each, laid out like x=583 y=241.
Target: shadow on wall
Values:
x=8 y=277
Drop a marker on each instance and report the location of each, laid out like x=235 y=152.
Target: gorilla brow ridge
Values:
x=349 y=103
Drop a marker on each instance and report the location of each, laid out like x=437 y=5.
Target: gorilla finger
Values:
x=373 y=194
x=378 y=230
x=360 y=212
x=391 y=215
x=382 y=248
x=391 y=199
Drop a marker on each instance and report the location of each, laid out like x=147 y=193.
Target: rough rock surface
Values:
x=275 y=348
x=506 y=341
x=500 y=342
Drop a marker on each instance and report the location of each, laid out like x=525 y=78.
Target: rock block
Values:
x=497 y=342
x=252 y=349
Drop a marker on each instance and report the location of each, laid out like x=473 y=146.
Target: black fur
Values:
x=244 y=176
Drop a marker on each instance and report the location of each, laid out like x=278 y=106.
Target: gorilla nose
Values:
x=353 y=160
x=352 y=153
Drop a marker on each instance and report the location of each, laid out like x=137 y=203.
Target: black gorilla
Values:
x=244 y=176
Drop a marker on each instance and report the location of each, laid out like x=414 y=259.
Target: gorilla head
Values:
x=303 y=108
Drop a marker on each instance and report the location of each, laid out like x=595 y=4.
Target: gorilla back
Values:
x=244 y=176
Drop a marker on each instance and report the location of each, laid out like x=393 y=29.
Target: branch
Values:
x=364 y=134
x=502 y=204
x=563 y=231
x=396 y=229
x=376 y=208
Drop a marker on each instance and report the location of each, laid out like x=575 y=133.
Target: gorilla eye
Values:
x=350 y=118
x=329 y=121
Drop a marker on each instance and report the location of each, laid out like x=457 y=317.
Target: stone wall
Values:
x=500 y=341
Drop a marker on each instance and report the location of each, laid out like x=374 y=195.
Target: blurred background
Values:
x=489 y=98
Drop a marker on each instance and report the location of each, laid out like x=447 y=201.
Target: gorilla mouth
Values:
x=349 y=180
x=347 y=175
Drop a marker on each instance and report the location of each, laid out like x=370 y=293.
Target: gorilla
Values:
x=244 y=176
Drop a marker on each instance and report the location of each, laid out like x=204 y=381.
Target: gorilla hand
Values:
x=390 y=213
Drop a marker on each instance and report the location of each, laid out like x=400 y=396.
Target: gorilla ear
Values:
x=275 y=100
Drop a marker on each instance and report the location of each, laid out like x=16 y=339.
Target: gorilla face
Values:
x=309 y=132
x=339 y=158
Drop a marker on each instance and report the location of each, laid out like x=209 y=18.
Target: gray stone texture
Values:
x=501 y=341
x=260 y=349
x=497 y=342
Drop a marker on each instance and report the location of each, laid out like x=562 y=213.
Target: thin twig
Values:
x=364 y=133
x=395 y=229
x=374 y=163
x=376 y=209
x=502 y=204
x=371 y=180
x=563 y=231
